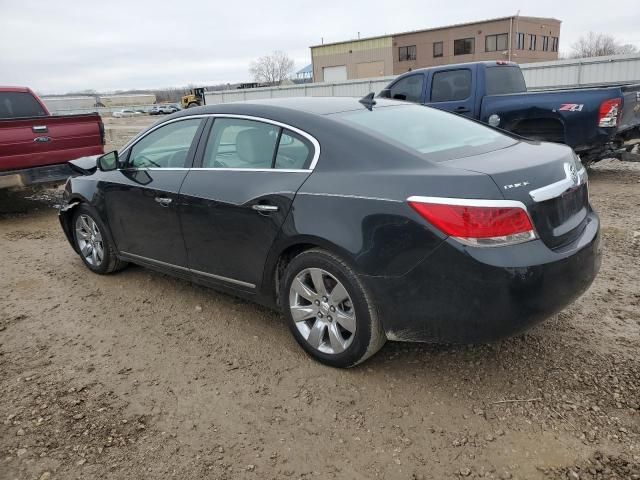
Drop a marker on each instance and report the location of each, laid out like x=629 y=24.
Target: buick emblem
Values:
x=573 y=174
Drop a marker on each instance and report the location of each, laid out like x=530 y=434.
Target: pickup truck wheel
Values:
x=92 y=243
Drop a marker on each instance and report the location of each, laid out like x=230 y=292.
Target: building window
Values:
x=495 y=43
x=438 y=49
x=520 y=41
x=532 y=42
x=464 y=46
x=554 y=44
x=545 y=43
x=407 y=53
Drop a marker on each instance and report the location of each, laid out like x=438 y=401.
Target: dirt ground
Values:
x=139 y=375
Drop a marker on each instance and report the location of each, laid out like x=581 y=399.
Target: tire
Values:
x=339 y=333
x=83 y=220
x=192 y=105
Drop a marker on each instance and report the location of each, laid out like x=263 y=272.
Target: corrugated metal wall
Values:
x=542 y=75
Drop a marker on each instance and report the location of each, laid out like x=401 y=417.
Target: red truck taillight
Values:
x=609 y=112
x=481 y=223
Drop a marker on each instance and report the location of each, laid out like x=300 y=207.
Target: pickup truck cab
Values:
x=35 y=146
x=596 y=122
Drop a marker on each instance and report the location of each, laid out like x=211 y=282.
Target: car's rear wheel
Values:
x=329 y=311
x=93 y=245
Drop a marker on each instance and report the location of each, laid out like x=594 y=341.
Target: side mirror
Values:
x=108 y=161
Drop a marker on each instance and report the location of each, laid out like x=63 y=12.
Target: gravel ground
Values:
x=139 y=375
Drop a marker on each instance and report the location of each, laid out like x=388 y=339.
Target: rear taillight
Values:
x=481 y=223
x=608 y=112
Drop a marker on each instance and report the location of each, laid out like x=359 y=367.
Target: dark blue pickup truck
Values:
x=597 y=122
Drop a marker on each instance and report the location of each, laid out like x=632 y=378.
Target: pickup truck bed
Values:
x=36 y=148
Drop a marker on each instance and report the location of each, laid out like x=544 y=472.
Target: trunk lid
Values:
x=546 y=178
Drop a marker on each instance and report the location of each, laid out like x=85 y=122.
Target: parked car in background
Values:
x=597 y=122
x=163 y=109
x=362 y=222
x=126 y=112
x=35 y=146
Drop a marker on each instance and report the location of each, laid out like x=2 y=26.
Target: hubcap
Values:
x=322 y=310
x=89 y=240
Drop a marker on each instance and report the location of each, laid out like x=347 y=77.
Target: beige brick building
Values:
x=520 y=39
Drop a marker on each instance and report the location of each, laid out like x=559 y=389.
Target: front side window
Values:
x=407 y=53
x=451 y=85
x=240 y=143
x=408 y=88
x=165 y=147
x=438 y=49
x=464 y=46
x=496 y=43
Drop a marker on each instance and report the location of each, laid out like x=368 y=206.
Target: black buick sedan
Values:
x=361 y=220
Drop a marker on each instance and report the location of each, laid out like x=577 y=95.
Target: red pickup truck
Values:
x=35 y=146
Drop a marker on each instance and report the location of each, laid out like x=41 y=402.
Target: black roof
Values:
x=313 y=105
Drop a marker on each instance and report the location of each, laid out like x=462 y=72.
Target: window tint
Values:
x=166 y=147
x=238 y=143
x=408 y=88
x=407 y=53
x=437 y=49
x=294 y=152
x=19 y=104
x=493 y=43
x=439 y=135
x=504 y=79
x=451 y=85
x=464 y=46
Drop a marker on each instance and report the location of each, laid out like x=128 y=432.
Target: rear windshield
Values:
x=502 y=79
x=440 y=136
x=19 y=104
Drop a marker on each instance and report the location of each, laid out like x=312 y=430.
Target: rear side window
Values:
x=294 y=152
x=19 y=104
x=408 y=88
x=451 y=85
x=239 y=143
x=502 y=79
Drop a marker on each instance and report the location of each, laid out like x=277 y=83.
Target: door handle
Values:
x=462 y=110
x=163 y=201
x=265 y=208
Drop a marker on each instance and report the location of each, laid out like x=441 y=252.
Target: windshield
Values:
x=439 y=135
x=502 y=79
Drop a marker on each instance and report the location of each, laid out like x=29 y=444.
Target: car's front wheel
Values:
x=329 y=311
x=93 y=245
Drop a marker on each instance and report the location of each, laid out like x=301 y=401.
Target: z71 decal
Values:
x=571 y=107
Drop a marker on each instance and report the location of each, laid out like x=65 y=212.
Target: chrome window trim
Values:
x=302 y=133
x=469 y=202
x=190 y=270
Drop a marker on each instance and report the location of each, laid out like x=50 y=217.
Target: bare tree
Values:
x=272 y=68
x=599 y=44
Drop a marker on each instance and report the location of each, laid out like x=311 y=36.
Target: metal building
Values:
x=517 y=38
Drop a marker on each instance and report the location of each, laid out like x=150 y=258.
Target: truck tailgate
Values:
x=630 y=115
x=40 y=141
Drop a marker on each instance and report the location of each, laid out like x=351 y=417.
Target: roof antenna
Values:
x=368 y=101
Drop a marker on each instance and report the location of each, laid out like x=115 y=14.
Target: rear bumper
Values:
x=36 y=176
x=471 y=295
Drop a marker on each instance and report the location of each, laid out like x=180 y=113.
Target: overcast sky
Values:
x=61 y=46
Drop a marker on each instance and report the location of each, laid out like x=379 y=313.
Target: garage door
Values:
x=334 y=74
x=370 y=69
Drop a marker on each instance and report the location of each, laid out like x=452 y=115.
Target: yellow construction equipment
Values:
x=194 y=99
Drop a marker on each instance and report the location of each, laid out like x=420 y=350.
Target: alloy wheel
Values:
x=89 y=240
x=322 y=311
